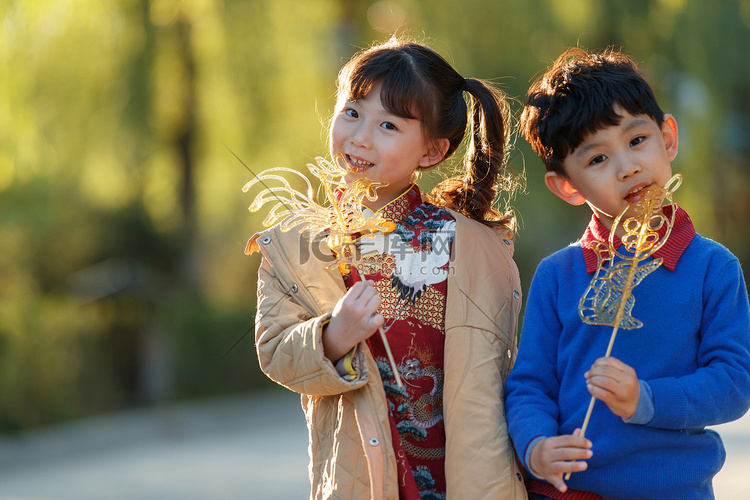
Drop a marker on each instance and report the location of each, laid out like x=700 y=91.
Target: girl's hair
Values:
x=418 y=83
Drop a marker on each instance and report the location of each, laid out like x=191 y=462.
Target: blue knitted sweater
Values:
x=693 y=352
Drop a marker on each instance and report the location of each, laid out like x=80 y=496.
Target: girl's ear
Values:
x=671 y=138
x=563 y=189
x=435 y=153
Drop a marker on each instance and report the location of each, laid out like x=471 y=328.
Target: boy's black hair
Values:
x=577 y=96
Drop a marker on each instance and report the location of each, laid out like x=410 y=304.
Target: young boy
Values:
x=595 y=123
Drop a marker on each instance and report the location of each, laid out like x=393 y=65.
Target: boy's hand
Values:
x=551 y=458
x=615 y=383
x=355 y=318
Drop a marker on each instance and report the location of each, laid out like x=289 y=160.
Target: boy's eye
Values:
x=637 y=140
x=388 y=126
x=597 y=159
x=351 y=113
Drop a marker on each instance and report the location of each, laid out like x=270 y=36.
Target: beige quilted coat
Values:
x=351 y=456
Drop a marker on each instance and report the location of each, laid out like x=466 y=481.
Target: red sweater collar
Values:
x=681 y=236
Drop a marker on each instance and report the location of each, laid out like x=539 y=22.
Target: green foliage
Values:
x=122 y=225
x=40 y=344
x=212 y=348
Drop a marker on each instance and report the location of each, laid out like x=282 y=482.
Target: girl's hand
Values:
x=551 y=458
x=615 y=383
x=355 y=318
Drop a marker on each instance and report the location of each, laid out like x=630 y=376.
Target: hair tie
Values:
x=466 y=85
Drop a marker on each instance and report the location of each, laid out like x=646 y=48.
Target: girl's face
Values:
x=379 y=144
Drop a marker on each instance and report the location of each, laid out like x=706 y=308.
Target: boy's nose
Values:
x=628 y=167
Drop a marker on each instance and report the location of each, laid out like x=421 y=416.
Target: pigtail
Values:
x=484 y=162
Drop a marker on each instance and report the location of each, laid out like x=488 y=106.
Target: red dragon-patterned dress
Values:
x=410 y=267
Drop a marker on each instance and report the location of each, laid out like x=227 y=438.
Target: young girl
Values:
x=445 y=290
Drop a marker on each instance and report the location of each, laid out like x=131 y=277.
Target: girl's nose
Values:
x=360 y=136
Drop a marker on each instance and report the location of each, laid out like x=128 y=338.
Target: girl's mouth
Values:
x=357 y=164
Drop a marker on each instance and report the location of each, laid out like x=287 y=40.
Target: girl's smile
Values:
x=356 y=164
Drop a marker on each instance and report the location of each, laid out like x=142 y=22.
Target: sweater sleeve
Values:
x=719 y=389
x=532 y=387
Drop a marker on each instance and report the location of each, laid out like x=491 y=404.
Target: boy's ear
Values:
x=671 y=138
x=435 y=153
x=563 y=189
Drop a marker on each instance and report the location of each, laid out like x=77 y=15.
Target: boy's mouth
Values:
x=637 y=193
x=357 y=164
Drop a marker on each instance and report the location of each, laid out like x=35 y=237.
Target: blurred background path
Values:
x=247 y=447
x=250 y=447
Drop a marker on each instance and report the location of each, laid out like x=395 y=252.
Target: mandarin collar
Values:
x=401 y=207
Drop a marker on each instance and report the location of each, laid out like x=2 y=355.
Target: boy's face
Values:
x=609 y=169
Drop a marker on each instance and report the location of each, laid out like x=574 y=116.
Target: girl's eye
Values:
x=388 y=126
x=597 y=159
x=351 y=113
x=637 y=140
